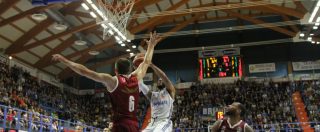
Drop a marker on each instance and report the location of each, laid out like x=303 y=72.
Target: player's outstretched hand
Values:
x=57 y=57
x=154 y=39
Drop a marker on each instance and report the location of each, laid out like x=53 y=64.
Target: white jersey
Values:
x=161 y=110
x=161 y=104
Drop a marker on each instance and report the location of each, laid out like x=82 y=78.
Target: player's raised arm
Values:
x=216 y=126
x=106 y=79
x=145 y=90
x=248 y=128
x=169 y=86
x=142 y=69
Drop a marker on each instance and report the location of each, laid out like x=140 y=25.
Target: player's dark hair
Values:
x=123 y=66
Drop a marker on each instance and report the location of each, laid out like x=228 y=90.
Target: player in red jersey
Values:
x=233 y=122
x=123 y=87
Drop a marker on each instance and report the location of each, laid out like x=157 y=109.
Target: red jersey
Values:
x=125 y=98
x=10 y=117
x=226 y=127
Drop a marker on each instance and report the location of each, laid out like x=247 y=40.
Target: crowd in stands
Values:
x=311 y=95
x=269 y=105
x=18 y=89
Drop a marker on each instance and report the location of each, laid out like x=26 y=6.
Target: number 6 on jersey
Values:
x=131 y=104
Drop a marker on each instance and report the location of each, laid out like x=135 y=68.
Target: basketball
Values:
x=138 y=59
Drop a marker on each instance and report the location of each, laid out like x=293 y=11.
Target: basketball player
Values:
x=161 y=102
x=123 y=87
x=233 y=122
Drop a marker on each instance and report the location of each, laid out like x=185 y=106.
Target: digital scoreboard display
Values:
x=219 y=115
x=222 y=66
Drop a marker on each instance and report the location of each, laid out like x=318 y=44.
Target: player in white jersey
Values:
x=161 y=102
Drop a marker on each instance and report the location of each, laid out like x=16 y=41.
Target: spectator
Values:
x=265 y=101
x=269 y=103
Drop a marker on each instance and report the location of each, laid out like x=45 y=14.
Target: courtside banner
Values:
x=219 y=52
x=263 y=67
x=229 y=52
x=208 y=53
x=307 y=65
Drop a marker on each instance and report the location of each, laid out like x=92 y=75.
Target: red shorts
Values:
x=125 y=126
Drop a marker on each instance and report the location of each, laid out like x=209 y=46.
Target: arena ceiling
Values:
x=34 y=42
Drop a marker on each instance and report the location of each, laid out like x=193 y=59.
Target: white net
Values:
x=116 y=15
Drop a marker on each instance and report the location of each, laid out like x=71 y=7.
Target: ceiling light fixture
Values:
x=111 y=32
x=93 y=14
x=314 y=12
x=93 y=52
x=85 y=6
x=104 y=25
x=80 y=42
x=89 y=1
x=318 y=19
x=39 y=16
x=117 y=38
x=301 y=34
x=60 y=26
x=315 y=27
x=94 y=7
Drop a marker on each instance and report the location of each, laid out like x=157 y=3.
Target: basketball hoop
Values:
x=115 y=17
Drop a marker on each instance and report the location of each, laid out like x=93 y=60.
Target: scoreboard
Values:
x=219 y=115
x=221 y=66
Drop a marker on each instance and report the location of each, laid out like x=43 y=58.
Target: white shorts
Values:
x=164 y=125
